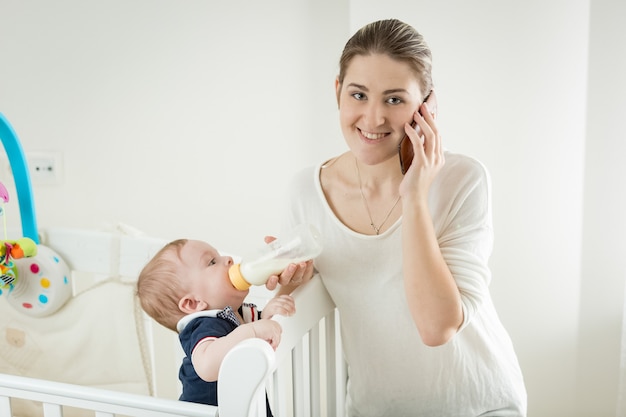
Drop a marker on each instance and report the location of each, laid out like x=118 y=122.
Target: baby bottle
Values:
x=300 y=244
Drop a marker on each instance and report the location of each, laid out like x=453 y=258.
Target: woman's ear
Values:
x=337 y=90
x=189 y=304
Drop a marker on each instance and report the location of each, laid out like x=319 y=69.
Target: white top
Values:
x=391 y=372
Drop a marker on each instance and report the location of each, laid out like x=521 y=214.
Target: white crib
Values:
x=304 y=377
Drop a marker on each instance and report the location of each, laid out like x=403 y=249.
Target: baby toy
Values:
x=13 y=249
x=33 y=278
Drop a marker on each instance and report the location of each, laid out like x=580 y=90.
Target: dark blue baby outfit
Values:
x=197 y=327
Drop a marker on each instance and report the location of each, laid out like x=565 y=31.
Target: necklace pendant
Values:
x=376 y=229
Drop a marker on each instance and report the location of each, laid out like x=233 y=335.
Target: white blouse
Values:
x=391 y=372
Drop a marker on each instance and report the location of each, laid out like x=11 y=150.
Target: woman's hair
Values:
x=159 y=286
x=397 y=40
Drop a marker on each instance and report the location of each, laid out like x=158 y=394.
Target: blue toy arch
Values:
x=21 y=176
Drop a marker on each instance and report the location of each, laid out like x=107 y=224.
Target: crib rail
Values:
x=237 y=396
x=104 y=403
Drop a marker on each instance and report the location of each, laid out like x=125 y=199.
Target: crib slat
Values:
x=315 y=362
x=5 y=406
x=299 y=381
x=341 y=373
x=330 y=388
x=282 y=390
x=52 y=410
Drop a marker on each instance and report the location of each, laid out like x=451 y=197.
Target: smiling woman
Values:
x=423 y=263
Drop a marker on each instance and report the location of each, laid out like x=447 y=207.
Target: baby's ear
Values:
x=189 y=304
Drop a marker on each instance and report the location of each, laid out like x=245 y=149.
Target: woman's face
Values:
x=204 y=274
x=378 y=96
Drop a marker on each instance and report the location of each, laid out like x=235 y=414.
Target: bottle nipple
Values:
x=238 y=281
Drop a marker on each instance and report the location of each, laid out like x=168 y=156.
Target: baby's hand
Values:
x=282 y=304
x=268 y=330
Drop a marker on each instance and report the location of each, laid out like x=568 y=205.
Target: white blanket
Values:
x=95 y=340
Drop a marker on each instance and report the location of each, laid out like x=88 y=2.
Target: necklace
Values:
x=376 y=229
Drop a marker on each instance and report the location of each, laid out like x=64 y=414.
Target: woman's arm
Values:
x=457 y=230
x=432 y=294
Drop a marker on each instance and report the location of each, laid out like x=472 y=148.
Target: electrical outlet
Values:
x=44 y=167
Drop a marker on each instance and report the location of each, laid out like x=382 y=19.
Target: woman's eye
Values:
x=394 y=100
x=358 y=96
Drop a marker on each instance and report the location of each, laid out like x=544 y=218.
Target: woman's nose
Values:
x=374 y=115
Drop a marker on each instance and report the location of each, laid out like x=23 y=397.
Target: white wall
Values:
x=603 y=257
x=187 y=119
x=181 y=119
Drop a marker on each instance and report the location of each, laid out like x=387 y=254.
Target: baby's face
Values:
x=204 y=273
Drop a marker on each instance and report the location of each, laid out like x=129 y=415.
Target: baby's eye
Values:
x=212 y=262
x=358 y=96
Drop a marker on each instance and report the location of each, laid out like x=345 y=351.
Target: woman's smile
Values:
x=372 y=136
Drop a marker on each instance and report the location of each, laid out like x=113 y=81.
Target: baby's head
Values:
x=184 y=277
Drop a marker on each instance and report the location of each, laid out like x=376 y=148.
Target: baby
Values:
x=185 y=287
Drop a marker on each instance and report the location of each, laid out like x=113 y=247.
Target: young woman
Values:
x=406 y=255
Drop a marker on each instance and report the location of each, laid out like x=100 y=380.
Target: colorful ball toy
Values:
x=33 y=278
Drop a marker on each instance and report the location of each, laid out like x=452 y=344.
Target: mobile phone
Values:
x=405 y=148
